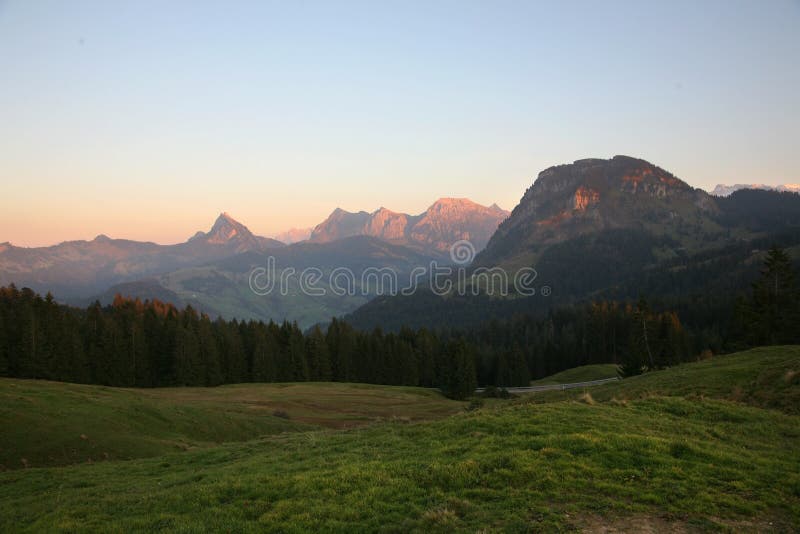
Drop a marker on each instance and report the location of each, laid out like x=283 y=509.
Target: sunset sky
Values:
x=144 y=120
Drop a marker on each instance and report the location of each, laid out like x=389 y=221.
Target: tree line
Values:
x=154 y=344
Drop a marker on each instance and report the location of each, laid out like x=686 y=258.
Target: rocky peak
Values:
x=590 y=195
x=588 y=181
x=226 y=228
x=453 y=205
x=447 y=220
x=387 y=224
x=231 y=233
x=338 y=225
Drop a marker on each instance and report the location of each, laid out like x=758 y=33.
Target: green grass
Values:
x=658 y=452
x=767 y=377
x=51 y=423
x=584 y=373
x=526 y=466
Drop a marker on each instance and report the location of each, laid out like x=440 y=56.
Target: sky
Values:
x=145 y=120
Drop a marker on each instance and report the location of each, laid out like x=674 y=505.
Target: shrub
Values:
x=474 y=404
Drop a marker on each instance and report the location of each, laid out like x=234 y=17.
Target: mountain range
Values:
x=616 y=228
x=75 y=269
x=722 y=190
x=432 y=232
x=293 y=235
x=210 y=270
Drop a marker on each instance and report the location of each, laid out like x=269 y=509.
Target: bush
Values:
x=474 y=404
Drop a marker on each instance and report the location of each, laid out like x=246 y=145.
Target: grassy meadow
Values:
x=713 y=445
x=53 y=423
x=767 y=377
x=584 y=373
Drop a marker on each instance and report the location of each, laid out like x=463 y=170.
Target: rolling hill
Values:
x=53 y=423
x=680 y=458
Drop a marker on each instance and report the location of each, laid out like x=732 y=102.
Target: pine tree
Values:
x=633 y=357
x=426 y=357
x=188 y=370
x=297 y=354
x=520 y=376
x=4 y=368
x=230 y=352
x=265 y=351
x=774 y=307
x=460 y=380
x=319 y=363
x=212 y=363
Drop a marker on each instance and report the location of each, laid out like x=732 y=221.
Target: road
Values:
x=552 y=387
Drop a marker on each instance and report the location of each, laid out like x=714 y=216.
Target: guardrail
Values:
x=556 y=387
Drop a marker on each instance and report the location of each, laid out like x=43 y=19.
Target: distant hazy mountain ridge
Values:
x=293 y=235
x=82 y=268
x=723 y=190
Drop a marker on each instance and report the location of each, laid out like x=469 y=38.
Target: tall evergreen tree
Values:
x=460 y=379
x=774 y=312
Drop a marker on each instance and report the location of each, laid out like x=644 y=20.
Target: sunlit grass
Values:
x=670 y=449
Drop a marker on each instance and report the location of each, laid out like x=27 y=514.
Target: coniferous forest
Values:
x=153 y=344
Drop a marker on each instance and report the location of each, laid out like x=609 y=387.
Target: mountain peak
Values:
x=230 y=232
x=591 y=195
x=226 y=217
x=226 y=228
x=453 y=201
x=447 y=220
x=623 y=174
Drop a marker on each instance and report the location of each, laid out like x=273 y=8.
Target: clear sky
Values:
x=144 y=120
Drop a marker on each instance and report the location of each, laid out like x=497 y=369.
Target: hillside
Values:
x=583 y=373
x=674 y=460
x=592 y=196
x=767 y=377
x=222 y=287
x=54 y=423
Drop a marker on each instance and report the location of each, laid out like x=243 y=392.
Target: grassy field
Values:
x=766 y=377
x=678 y=450
x=584 y=373
x=51 y=423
